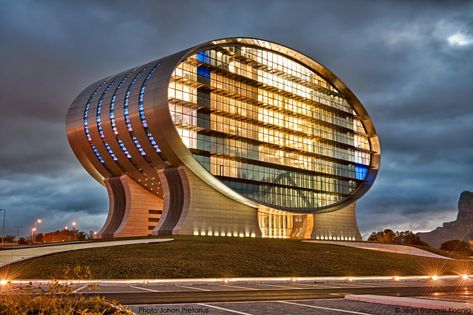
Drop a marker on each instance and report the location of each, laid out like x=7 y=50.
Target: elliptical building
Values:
x=236 y=137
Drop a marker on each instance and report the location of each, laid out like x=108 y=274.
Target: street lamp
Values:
x=33 y=230
x=74 y=224
x=3 y=226
x=38 y=221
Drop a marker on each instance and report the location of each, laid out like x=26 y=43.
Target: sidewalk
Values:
x=388 y=248
x=9 y=256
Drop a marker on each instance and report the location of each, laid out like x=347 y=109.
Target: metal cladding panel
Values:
x=123 y=133
x=76 y=134
x=101 y=97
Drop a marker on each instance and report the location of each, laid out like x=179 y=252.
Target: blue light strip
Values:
x=99 y=122
x=86 y=124
x=127 y=115
x=142 y=111
x=112 y=117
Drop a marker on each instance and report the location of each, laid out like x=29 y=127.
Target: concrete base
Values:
x=337 y=225
x=192 y=207
x=204 y=210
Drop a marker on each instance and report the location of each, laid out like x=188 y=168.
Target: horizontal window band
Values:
x=280 y=73
x=275 y=108
x=249 y=100
x=269 y=88
x=273 y=146
x=271 y=184
x=276 y=166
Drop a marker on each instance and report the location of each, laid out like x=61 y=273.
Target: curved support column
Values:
x=133 y=211
x=337 y=225
x=174 y=198
x=116 y=205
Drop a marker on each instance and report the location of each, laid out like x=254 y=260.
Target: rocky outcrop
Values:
x=460 y=229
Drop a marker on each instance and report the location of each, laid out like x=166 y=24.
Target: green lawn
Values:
x=189 y=257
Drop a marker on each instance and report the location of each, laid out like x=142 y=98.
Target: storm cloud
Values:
x=410 y=63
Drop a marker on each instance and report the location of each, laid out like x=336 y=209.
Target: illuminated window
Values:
x=127 y=114
x=98 y=120
x=86 y=124
x=112 y=117
x=361 y=171
x=142 y=111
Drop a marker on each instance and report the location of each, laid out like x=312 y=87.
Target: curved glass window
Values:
x=86 y=124
x=112 y=117
x=98 y=120
x=142 y=111
x=127 y=114
x=269 y=127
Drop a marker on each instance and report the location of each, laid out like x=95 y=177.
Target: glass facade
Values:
x=268 y=127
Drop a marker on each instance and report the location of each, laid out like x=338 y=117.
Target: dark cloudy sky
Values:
x=410 y=63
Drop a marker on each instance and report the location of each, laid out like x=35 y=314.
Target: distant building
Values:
x=234 y=137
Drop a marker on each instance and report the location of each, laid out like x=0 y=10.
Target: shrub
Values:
x=22 y=241
x=457 y=246
x=57 y=299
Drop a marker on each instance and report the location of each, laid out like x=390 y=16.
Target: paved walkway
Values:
x=389 y=248
x=414 y=304
x=9 y=256
x=280 y=296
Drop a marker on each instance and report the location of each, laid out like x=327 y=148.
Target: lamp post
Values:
x=3 y=225
x=74 y=224
x=35 y=229
x=33 y=232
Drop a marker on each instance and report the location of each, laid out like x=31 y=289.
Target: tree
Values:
x=408 y=237
x=22 y=241
x=399 y=237
x=38 y=238
x=80 y=236
x=386 y=236
x=9 y=238
x=457 y=246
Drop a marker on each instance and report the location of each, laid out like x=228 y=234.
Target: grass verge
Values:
x=196 y=257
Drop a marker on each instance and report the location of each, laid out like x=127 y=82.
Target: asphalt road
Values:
x=150 y=297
